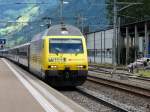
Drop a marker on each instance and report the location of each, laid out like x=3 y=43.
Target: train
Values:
x=57 y=55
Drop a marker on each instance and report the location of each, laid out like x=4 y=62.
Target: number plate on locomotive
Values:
x=57 y=59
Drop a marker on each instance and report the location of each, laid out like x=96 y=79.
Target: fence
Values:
x=99 y=46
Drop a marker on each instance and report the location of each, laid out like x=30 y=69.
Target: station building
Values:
x=133 y=41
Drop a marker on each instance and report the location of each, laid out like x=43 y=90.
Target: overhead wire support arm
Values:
x=128 y=4
x=32 y=3
x=128 y=16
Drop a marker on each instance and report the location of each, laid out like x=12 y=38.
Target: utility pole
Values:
x=82 y=22
x=78 y=20
x=61 y=10
x=114 y=35
x=118 y=41
x=62 y=3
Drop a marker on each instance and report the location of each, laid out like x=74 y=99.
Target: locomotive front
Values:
x=66 y=63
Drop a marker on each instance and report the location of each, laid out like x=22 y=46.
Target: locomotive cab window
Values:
x=65 y=46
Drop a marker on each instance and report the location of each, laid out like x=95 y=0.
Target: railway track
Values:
x=144 y=92
x=94 y=101
x=109 y=103
x=140 y=87
x=109 y=68
x=116 y=106
x=109 y=71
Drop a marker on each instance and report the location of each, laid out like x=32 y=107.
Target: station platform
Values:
x=22 y=92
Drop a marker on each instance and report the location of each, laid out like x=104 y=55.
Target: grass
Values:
x=103 y=65
x=144 y=73
x=107 y=65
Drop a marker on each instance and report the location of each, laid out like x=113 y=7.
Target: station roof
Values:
x=140 y=27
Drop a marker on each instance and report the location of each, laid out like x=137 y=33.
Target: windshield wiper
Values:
x=57 y=51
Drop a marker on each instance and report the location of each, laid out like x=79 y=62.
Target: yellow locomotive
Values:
x=58 y=55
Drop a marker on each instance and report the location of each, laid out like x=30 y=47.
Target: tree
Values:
x=132 y=13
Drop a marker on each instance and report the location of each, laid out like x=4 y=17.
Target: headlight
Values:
x=52 y=66
x=81 y=66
